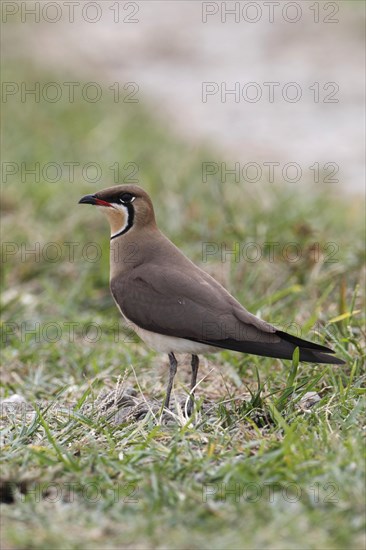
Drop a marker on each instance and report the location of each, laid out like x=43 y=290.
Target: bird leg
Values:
x=172 y=371
x=194 y=365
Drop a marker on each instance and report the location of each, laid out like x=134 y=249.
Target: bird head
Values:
x=126 y=207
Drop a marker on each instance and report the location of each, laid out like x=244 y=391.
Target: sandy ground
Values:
x=170 y=52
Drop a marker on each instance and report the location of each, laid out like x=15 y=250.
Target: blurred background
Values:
x=170 y=49
x=245 y=123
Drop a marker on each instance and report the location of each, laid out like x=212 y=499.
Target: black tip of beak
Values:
x=88 y=199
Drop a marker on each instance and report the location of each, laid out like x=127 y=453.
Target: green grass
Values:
x=256 y=467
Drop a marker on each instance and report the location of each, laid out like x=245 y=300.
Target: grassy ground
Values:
x=260 y=464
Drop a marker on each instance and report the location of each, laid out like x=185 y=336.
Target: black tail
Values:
x=267 y=346
x=314 y=353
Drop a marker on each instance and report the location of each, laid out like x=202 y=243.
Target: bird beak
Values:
x=93 y=199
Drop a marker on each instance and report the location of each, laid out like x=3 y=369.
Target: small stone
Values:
x=308 y=400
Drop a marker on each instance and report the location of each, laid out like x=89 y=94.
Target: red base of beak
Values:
x=92 y=199
x=100 y=202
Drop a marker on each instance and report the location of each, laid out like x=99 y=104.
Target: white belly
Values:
x=167 y=344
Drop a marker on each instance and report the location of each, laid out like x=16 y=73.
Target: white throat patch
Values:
x=124 y=209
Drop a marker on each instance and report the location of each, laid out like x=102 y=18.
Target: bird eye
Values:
x=126 y=197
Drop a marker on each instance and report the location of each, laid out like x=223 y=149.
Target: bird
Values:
x=172 y=304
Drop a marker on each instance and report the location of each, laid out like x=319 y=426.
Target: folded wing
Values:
x=201 y=310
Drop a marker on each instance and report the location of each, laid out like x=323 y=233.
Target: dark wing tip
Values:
x=299 y=342
x=311 y=356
